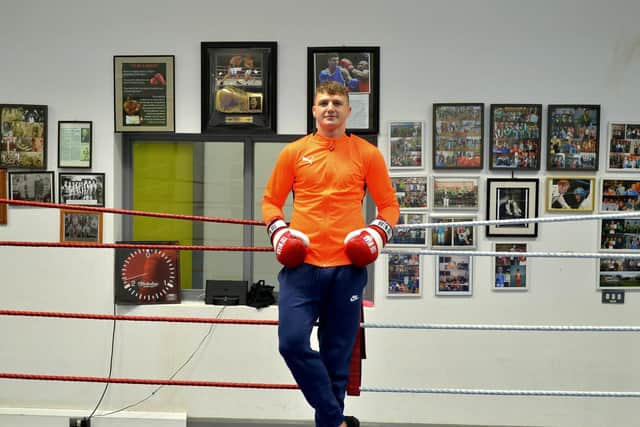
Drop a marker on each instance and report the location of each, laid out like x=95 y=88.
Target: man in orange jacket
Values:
x=326 y=248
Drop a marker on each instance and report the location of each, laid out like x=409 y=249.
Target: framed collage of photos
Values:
x=74 y=144
x=510 y=272
x=403 y=275
x=410 y=236
x=85 y=189
x=458 y=136
x=454 y=275
x=32 y=186
x=512 y=199
x=452 y=236
x=618 y=273
x=411 y=191
x=573 y=137
x=78 y=226
x=623 y=149
x=515 y=136
x=406 y=145
x=455 y=193
x=619 y=195
x=570 y=194
x=239 y=87
x=24 y=136
x=358 y=69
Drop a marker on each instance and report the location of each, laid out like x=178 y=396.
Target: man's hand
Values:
x=290 y=245
x=363 y=246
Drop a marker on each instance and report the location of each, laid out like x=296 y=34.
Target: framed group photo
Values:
x=618 y=273
x=24 y=136
x=85 y=189
x=454 y=275
x=74 y=144
x=455 y=193
x=406 y=145
x=403 y=275
x=458 y=136
x=619 y=195
x=570 y=194
x=620 y=234
x=239 y=87
x=78 y=226
x=32 y=186
x=411 y=191
x=623 y=149
x=410 y=236
x=144 y=93
x=452 y=236
x=358 y=69
x=573 y=137
x=510 y=272
x=511 y=199
x=515 y=136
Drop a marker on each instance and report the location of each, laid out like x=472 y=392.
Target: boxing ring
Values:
x=123 y=320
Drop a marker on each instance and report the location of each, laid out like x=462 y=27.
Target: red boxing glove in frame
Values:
x=363 y=246
x=290 y=245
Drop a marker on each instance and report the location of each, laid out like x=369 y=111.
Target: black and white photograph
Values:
x=31 y=186
x=511 y=199
x=78 y=226
x=81 y=189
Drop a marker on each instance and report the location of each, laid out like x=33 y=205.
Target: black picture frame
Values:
x=512 y=199
x=515 y=132
x=364 y=64
x=86 y=189
x=32 y=186
x=458 y=136
x=23 y=136
x=573 y=137
x=75 y=141
x=239 y=87
x=144 y=93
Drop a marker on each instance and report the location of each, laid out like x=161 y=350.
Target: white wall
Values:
x=568 y=51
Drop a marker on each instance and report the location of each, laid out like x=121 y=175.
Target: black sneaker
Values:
x=352 y=421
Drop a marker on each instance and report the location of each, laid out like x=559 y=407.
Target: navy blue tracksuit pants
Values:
x=332 y=296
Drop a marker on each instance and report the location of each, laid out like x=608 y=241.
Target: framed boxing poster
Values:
x=514 y=137
x=458 y=136
x=573 y=137
x=23 y=142
x=144 y=93
x=358 y=69
x=239 y=87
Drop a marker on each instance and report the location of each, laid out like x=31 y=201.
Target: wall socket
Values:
x=80 y=422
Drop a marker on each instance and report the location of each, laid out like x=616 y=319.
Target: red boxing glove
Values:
x=290 y=245
x=363 y=246
x=346 y=63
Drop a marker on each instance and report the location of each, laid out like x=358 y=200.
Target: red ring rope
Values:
x=136 y=246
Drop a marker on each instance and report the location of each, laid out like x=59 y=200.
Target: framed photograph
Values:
x=406 y=145
x=512 y=199
x=453 y=275
x=623 y=150
x=570 y=194
x=510 y=272
x=74 y=144
x=3 y=195
x=410 y=236
x=81 y=189
x=239 y=87
x=620 y=234
x=452 y=236
x=411 y=191
x=24 y=136
x=455 y=193
x=31 y=186
x=515 y=136
x=144 y=93
x=458 y=136
x=573 y=137
x=620 y=195
x=358 y=69
x=618 y=273
x=404 y=273
x=78 y=226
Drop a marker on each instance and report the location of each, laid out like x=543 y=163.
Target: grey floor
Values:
x=213 y=422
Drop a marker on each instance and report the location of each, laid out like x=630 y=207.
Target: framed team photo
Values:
x=623 y=148
x=446 y=236
x=81 y=189
x=573 y=137
x=411 y=191
x=403 y=275
x=618 y=273
x=570 y=194
x=32 y=186
x=458 y=136
x=454 y=275
x=358 y=70
x=406 y=145
x=620 y=234
x=514 y=137
x=410 y=236
x=78 y=226
x=510 y=273
x=455 y=193
x=509 y=199
x=619 y=195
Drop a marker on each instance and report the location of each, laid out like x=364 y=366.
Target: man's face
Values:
x=363 y=65
x=333 y=62
x=331 y=111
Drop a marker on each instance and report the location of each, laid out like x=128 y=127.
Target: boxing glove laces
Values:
x=363 y=246
x=289 y=244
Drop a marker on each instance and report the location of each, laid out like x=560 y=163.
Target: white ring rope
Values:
x=512 y=254
x=530 y=328
x=503 y=392
x=563 y=218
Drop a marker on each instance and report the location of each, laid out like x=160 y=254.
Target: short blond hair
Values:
x=331 y=88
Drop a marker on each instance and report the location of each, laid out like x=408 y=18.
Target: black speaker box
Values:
x=226 y=292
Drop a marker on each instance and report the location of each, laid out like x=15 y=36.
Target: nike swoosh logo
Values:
x=354 y=298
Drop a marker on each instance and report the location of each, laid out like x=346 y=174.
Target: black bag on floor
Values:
x=260 y=295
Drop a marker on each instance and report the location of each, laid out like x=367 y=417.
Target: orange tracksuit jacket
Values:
x=328 y=179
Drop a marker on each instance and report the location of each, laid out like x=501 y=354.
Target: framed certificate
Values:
x=74 y=144
x=144 y=93
x=239 y=86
